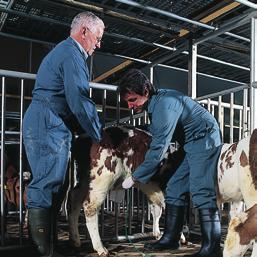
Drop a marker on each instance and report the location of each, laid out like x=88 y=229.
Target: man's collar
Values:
x=80 y=48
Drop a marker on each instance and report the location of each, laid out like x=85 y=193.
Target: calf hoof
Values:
x=104 y=255
x=157 y=235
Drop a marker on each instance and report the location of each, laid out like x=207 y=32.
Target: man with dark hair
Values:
x=60 y=97
x=176 y=117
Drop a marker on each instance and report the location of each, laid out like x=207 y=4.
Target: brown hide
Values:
x=119 y=141
x=253 y=157
x=248 y=229
x=12 y=191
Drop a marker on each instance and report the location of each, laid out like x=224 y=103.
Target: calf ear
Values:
x=106 y=141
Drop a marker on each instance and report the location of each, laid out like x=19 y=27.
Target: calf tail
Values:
x=253 y=157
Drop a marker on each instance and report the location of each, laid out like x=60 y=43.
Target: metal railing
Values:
x=15 y=137
x=232 y=111
x=230 y=107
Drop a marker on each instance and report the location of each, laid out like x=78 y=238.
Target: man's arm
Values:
x=164 y=121
x=77 y=95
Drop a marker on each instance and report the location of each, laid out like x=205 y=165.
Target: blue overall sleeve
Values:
x=164 y=120
x=76 y=88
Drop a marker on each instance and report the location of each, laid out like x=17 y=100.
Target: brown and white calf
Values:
x=237 y=180
x=102 y=166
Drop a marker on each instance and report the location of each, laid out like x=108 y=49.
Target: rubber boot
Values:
x=41 y=232
x=211 y=234
x=174 y=218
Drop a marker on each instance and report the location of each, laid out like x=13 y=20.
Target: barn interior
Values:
x=204 y=48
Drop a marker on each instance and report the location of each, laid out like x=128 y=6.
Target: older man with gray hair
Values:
x=60 y=100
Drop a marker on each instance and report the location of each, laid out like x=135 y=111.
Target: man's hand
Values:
x=128 y=183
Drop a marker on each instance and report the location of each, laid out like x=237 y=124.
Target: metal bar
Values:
x=192 y=68
x=209 y=104
x=223 y=104
x=140 y=41
x=165 y=13
x=174 y=16
x=202 y=74
x=143 y=214
x=221 y=62
x=253 y=90
x=151 y=74
x=231 y=119
x=247 y=3
x=223 y=92
x=17 y=74
x=23 y=75
x=213 y=110
x=238 y=37
x=103 y=86
x=245 y=101
x=26 y=39
x=132 y=202
x=176 y=68
x=226 y=28
x=21 y=164
x=249 y=118
x=240 y=131
x=129 y=210
x=104 y=107
x=221 y=116
x=2 y=163
x=116 y=211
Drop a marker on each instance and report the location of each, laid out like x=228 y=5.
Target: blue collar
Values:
x=82 y=50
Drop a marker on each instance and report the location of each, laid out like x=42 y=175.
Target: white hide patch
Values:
x=230 y=172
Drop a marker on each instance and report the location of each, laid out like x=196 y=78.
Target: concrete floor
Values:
x=123 y=248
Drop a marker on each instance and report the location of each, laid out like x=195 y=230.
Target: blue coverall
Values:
x=61 y=93
x=176 y=117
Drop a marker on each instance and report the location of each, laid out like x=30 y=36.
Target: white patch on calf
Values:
x=232 y=246
x=228 y=177
x=92 y=226
x=156 y=200
x=131 y=133
x=130 y=152
x=156 y=211
x=236 y=183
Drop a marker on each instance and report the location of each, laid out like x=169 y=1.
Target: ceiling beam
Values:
x=6 y=5
x=182 y=33
x=247 y=3
x=150 y=22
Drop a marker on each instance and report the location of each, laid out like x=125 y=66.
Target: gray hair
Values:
x=87 y=19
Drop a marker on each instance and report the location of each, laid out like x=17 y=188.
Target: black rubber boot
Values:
x=41 y=232
x=174 y=218
x=211 y=234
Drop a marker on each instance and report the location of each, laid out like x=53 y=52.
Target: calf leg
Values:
x=156 y=212
x=74 y=205
x=232 y=245
x=99 y=188
x=236 y=208
x=156 y=199
x=91 y=210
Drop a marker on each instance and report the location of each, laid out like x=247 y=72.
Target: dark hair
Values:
x=135 y=81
